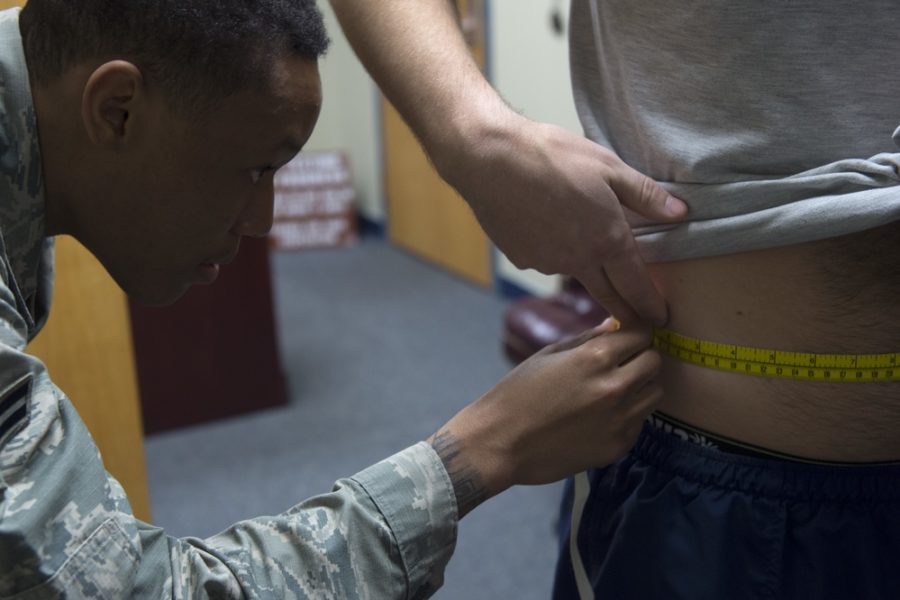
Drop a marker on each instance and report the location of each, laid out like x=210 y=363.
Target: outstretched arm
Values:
x=388 y=531
x=550 y=199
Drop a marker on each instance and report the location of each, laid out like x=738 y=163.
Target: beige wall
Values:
x=530 y=63
x=87 y=348
x=530 y=68
x=350 y=118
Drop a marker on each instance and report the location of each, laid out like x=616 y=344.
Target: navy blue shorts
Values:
x=676 y=519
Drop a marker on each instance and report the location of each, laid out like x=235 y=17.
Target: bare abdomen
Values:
x=791 y=298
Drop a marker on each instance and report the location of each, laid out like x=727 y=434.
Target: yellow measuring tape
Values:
x=762 y=362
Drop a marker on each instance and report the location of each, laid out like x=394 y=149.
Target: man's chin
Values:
x=158 y=296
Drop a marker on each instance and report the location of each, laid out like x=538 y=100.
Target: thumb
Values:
x=647 y=198
x=608 y=325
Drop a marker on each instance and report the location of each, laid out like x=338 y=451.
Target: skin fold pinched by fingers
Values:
x=630 y=278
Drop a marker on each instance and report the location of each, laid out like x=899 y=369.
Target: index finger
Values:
x=622 y=346
x=622 y=286
x=629 y=276
x=601 y=289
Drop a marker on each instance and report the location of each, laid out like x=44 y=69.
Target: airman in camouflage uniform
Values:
x=66 y=528
x=89 y=145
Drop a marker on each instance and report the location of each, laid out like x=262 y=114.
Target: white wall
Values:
x=350 y=118
x=529 y=66
x=530 y=62
x=530 y=69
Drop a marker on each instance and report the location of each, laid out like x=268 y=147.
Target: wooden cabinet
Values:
x=86 y=345
x=213 y=353
x=425 y=215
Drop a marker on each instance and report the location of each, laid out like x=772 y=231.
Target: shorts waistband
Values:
x=696 y=435
x=768 y=477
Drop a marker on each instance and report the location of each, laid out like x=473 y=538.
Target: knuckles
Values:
x=596 y=354
x=648 y=191
x=654 y=360
x=609 y=389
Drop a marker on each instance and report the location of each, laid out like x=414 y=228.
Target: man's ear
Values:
x=111 y=95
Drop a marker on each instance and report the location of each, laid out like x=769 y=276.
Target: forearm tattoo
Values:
x=467 y=483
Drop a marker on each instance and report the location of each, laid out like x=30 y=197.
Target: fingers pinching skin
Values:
x=622 y=345
x=575 y=405
x=553 y=201
x=601 y=289
x=630 y=278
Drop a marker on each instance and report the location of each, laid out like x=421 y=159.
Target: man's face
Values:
x=193 y=188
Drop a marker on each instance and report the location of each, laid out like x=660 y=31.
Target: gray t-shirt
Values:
x=776 y=121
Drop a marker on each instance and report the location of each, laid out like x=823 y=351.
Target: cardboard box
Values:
x=315 y=203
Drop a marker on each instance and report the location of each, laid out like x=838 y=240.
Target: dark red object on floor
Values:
x=532 y=323
x=214 y=353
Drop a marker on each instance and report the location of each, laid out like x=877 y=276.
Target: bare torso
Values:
x=790 y=298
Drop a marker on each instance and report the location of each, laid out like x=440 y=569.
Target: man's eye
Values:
x=257 y=174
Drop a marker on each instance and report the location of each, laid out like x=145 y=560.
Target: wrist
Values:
x=476 y=475
x=479 y=132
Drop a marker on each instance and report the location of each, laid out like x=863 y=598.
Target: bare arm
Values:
x=417 y=54
x=550 y=199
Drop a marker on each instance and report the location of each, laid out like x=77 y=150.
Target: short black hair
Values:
x=198 y=51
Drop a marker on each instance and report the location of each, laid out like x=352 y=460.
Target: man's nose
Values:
x=256 y=218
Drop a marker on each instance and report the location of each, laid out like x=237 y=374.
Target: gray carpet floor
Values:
x=379 y=349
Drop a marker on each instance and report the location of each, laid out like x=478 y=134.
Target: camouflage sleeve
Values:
x=386 y=532
x=67 y=531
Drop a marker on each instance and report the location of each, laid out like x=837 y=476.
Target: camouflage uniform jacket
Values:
x=66 y=529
